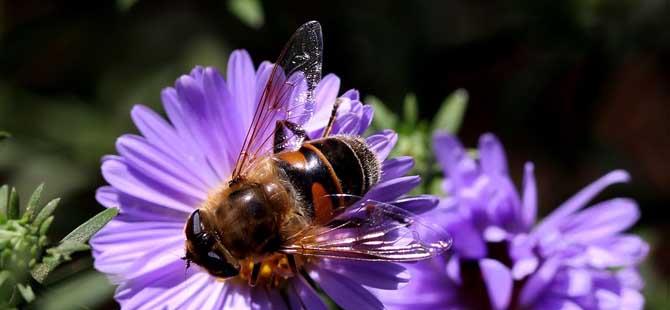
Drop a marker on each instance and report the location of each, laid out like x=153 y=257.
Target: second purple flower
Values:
x=578 y=257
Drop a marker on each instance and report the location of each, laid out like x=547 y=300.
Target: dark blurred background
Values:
x=579 y=87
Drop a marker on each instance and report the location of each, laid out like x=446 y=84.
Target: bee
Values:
x=291 y=199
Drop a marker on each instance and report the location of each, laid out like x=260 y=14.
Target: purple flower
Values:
x=575 y=258
x=162 y=175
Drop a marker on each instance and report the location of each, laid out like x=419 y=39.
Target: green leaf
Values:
x=4 y=276
x=67 y=248
x=4 y=200
x=89 y=228
x=13 y=208
x=250 y=12
x=46 y=212
x=473 y=153
x=70 y=295
x=384 y=118
x=435 y=187
x=450 y=115
x=74 y=241
x=33 y=203
x=410 y=109
x=27 y=292
x=4 y=135
x=41 y=271
x=125 y=5
x=44 y=226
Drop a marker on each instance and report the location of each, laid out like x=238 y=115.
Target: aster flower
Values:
x=578 y=257
x=162 y=175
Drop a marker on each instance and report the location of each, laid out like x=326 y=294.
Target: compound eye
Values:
x=196 y=223
x=219 y=267
x=195 y=230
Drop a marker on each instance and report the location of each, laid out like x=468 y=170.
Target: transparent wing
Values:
x=288 y=93
x=372 y=230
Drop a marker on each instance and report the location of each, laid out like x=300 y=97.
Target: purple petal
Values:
x=202 y=122
x=352 y=94
x=448 y=150
x=108 y=197
x=120 y=243
x=366 y=119
x=238 y=296
x=555 y=303
x=135 y=293
x=392 y=189
x=492 y=155
x=454 y=269
x=211 y=297
x=580 y=199
x=539 y=281
x=524 y=267
x=631 y=278
x=572 y=282
x=241 y=78
x=303 y=296
x=428 y=289
x=226 y=127
x=498 y=281
x=458 y=167
x=468 y=241
x=159 y=133
x=182 y=295
x=137 y=209
x=617 y=251
x=607 y=299
x=262 y=76
x=382 y=143
x=604 y=219
x=499 y=199
x=350 y=120
x=344 y=291
x=382 y=275
x=187 y=118
x=631 y=299
x=263 y=298
x=346 y=124
x=326 y=94
x=494 y=234
x=529 y=203
x=125 y=179
x=396 y=167
x=159 y=166
x=164 y=254
x=522 y=252
x=417 y=204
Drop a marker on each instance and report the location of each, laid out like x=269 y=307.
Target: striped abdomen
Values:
x=333 y=165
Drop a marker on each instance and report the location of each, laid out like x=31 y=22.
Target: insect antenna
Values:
x=331 y=121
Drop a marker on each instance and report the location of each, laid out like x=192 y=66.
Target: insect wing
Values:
x=288 y=93
x=372 y=230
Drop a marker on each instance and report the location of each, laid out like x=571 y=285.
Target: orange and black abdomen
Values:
x=333 y=165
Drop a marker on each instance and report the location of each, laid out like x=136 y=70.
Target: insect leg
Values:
x=280 y=134
x=255 y=271
x=291 y=263
x=331 y=121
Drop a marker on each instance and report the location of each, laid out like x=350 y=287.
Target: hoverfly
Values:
x=291 y=199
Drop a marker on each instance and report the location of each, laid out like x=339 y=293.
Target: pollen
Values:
x=266 y=271
x=271 y=271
